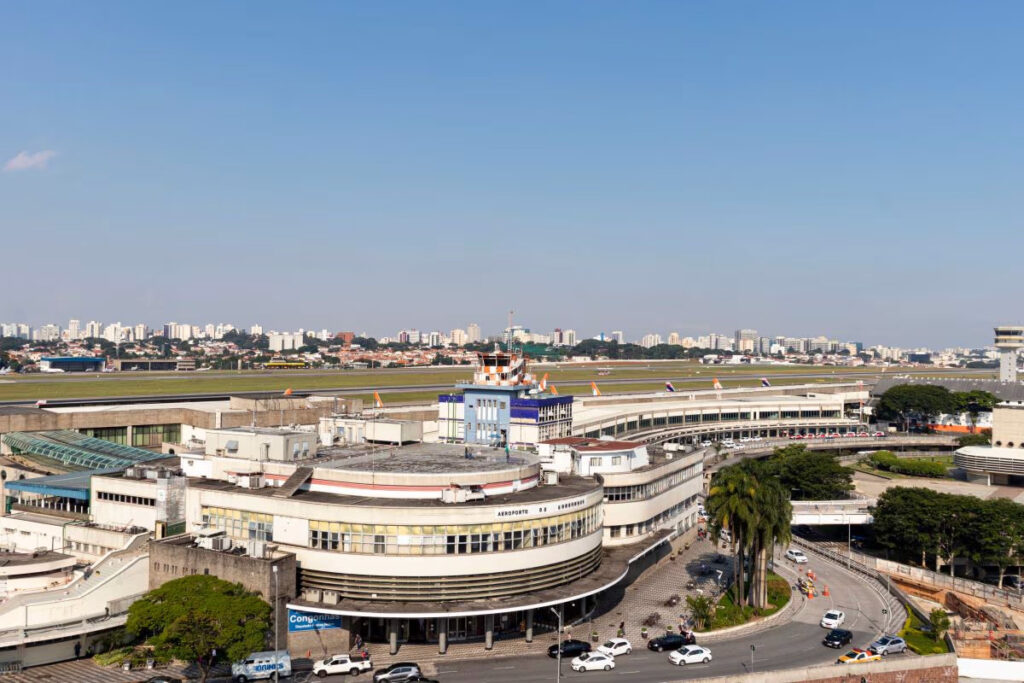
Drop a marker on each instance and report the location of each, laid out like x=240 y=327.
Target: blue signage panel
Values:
x=310 y=621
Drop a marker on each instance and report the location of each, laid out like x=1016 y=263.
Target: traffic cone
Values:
x=825 y=592
x=810 y=594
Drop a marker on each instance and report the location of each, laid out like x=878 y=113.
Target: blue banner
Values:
x=310 y=621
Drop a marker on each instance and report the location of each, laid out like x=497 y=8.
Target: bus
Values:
x=286 y=364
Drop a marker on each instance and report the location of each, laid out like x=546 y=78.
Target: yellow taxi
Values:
x=856 y=656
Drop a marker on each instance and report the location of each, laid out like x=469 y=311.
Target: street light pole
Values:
x=277 y=610
x=558 y=658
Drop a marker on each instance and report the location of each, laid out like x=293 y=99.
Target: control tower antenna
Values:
x=509 y=334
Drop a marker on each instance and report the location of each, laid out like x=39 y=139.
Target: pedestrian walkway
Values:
x=85 y=671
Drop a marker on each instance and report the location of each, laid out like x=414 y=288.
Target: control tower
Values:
x=1009 y=341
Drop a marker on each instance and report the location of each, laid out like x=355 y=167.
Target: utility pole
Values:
x=277 y=619
x=558 y=659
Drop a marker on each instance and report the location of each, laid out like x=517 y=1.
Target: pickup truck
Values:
x=342 y=664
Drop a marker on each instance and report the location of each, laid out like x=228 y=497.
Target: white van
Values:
x=261 y=665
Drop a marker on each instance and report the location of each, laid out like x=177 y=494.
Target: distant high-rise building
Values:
x=112 y=332
x=650 y=340
x=141 y=332
x=744 y=341
x=473 y=333
x=458 y=337
x=415 y=337
x=435 y=338
x=569 y=337
x=673 y=339
x=93 y=329
x=403 y=337
x=23 y=331
x=49 y=332
x=256 y=330
x=73 y=329
x=618 y=336
x=285 y=341
x=210 y=331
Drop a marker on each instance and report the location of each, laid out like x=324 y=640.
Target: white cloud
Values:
x=28 y=160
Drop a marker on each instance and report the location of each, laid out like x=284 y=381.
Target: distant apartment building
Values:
x=745 y=341
x=650 y=340
x=256 y=330
x=673 y=339
x=458 y=337
x=619 y=336
x=93 y=329
x=74 y=330
x=563 y=337
x=473 y=333
x=141 y=332
x=47 y=333
x=285 y=341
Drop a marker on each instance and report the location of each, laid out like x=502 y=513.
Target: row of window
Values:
x=122 y=498
x=240 y=524
x=384 y=539
x=653 y=523
x=697 y=418
x=653 y=488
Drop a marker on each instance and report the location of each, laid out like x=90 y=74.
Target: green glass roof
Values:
x=75 y=451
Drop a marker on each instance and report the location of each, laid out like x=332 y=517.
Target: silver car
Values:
x=889 y=645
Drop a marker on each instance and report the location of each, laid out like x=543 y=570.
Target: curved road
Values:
x=786 y=646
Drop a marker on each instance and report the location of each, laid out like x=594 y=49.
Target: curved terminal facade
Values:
x=420 y=543
x=1002 y=463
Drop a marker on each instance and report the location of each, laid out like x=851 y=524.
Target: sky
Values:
x=801 y=168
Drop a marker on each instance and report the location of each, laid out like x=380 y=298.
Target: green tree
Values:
x=1000 y=535
x=976 y=439
x=905 y=520
x=730 y=505
x=195 y=615
x=908 y=400
x=939 y=621
x=773 y=515
x=702 y=609
x=811 y=475
x=974 y=403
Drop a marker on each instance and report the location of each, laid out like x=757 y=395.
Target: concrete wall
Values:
x=1008 y=425
x=930 y=669
x=175 y=557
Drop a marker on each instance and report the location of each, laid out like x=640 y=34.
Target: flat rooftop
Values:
x=427 y=458
x=568 y=486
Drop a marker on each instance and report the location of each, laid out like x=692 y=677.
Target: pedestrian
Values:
x=78 y=650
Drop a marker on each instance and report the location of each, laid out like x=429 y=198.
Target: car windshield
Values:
x=584 y=656
x=610 y=644
x=832 y=615
x=884 y=641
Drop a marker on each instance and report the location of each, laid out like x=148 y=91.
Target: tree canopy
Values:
x=929 y=400
x=918 y=524
x=193 y=616
x=810 y=475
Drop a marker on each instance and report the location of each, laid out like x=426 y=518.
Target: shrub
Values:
x=914 y=467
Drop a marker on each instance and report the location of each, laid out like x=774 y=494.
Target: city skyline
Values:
x=755 y=341
x=674 y=169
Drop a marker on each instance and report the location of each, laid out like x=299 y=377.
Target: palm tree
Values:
x=774 y=515
x=730 y=505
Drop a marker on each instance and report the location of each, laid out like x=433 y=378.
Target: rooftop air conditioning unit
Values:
x=256 y=549
x=551 y=478
x=220 y=543
x=312 y=594
x=330 y=597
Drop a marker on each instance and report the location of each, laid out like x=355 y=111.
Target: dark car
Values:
x=671 y=641
x=837 y=638
x=570 y=648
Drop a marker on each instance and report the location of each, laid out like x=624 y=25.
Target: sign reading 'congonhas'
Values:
x=307 y=621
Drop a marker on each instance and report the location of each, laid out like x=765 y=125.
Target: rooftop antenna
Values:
x=509 y=335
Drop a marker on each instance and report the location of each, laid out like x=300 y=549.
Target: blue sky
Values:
x=852 y=169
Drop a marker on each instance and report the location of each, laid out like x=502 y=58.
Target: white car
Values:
x=833 y=619
x=705 y=444
x=796 y=556
x=616 y=647
x=593 y=661
x=342 y=664
x=690 y=654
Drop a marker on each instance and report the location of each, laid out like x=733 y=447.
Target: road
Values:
x=793 y=645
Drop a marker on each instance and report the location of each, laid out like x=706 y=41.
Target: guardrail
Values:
x=879 y=578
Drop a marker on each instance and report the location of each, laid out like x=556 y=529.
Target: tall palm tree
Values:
x=730 y=505
x=774 y=514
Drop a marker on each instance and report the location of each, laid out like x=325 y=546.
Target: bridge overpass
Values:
x=823 y=512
